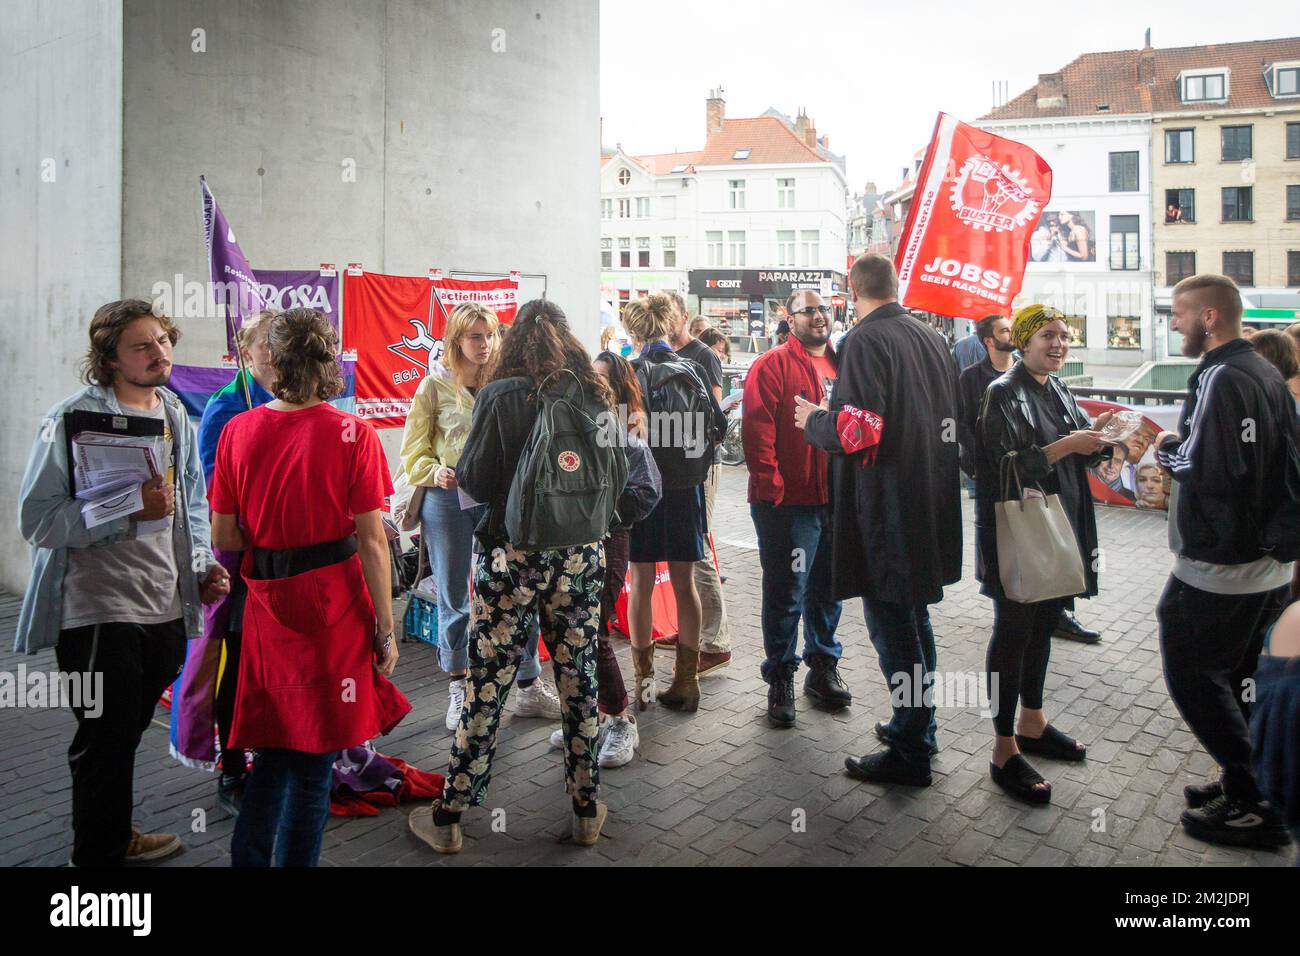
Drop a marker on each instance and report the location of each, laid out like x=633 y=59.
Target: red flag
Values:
x=966 y=242
x=499 y=295
x=388 y=319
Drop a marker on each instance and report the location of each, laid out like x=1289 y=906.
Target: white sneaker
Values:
x=557 y=739
x=537 y=700
x=621 y=738
x=455 y=702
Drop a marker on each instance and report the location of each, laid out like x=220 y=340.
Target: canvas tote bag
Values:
x=1038 y=555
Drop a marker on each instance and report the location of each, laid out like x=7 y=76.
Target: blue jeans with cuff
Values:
x=794 y=549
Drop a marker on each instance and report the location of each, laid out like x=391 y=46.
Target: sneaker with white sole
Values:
x=557 y=737
x=619 y=743
x=455 y=701
x=537 y=700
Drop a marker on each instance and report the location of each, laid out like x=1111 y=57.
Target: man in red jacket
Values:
x=789 y=497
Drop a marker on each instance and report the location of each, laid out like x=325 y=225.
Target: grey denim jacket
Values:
x=49 y=518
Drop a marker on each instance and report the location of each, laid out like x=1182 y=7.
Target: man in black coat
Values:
x=891 y=429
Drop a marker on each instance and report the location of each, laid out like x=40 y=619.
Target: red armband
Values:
x=859 y=430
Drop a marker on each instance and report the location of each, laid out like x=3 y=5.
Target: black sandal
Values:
x=1018 y=778
x=1053 y=744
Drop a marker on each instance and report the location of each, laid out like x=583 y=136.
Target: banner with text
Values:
x=977 y=201
x=388 y=330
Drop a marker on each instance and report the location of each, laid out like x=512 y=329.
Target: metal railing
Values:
x=1129 y=396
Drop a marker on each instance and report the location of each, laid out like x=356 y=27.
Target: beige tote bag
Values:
x=1038 y=554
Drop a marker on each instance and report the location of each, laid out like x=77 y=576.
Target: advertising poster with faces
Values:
x=1132 y=478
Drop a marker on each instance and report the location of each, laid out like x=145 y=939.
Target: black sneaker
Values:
x=1198 y=795
x=1236 y=823
x=780 y=698
x=824 y=684
x=230 y=793
x=887 y=767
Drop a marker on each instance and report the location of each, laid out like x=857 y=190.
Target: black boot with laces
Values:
x=780 y=698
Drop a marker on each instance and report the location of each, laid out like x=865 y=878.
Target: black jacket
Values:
x=1006 y=424
x=1229 y=458
x=971 y=384
x=504 y=413
x=897 y=517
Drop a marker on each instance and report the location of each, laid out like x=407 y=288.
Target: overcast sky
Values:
x=872 y=75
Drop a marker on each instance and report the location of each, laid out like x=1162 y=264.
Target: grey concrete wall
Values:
x=465 y=158
x=60 y=217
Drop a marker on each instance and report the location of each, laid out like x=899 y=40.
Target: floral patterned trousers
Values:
x=510 y=587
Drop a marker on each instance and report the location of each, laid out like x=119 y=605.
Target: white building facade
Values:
x=1091 y=256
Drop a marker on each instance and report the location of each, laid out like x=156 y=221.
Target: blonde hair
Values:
x=650 y=319
x=1209 y=290
x=461 y=321
x=246 y=333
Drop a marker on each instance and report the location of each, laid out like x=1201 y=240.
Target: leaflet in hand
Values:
x=109 y=471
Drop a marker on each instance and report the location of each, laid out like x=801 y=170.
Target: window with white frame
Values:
x=606 y=253
x=624 y=177
x=643 y=252
x=1209 y=86
x=1283 y=79
x=785 y=194
x=607 y=209
x=643 y=207
x=625 y=253
x=669 y=244
x=736 y=190
x=1180 y=146
x=736 y=248
x=625 y=209
x=785 y=247
x=810 y=246
x=713 y=243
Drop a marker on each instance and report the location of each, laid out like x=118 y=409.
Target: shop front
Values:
x=750 y=302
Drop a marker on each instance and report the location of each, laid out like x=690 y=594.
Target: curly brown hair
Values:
x=538 y=343
x=304 y=349
x=106 y=328
x=623 y=382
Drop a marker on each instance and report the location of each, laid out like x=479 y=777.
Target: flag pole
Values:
x=242 y=374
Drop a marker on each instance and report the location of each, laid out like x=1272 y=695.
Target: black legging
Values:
x=1018 y=654
x=233 y=762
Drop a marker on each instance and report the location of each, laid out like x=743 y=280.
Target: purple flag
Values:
x=233 y=283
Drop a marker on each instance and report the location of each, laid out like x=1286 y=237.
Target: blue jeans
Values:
x=904 y=642
x=794 y=549
x=286 y=803
x=448 y=534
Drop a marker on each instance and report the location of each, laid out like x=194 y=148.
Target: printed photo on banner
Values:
x=1132 y=478
x=1065 y=236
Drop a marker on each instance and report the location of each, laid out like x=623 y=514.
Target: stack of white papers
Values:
x=109 y=471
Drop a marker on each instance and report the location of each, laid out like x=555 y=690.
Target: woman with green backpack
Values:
x=533 y=458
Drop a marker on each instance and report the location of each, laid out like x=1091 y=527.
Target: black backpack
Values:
x=685 y=424
x=569 y=476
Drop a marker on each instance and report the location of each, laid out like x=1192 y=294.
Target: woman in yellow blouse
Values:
x=436 y=428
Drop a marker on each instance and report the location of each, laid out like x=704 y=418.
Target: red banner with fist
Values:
x=978 y=198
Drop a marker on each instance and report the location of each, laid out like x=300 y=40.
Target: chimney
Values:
x=801 y=125
x=1147 y=62
x=810 y=135
x=715 y=111
x=1051 y=90
x=826 y=142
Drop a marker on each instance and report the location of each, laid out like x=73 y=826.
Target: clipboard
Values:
x=80 y=420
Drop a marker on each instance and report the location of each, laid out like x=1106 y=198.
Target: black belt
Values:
x=269 y=563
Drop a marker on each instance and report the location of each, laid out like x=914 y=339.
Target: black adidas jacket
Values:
x=1229 y=458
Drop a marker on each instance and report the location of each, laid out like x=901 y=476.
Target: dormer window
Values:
x=741 y=154
x=679 y=168
x=624 y=176
x=1283 y=79
x=1203 y=86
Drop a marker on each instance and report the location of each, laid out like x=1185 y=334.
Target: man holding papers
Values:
x=117 y=591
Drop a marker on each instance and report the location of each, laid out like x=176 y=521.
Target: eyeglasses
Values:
x=811 y=311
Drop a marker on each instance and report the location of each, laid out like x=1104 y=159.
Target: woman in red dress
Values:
x=298 y=487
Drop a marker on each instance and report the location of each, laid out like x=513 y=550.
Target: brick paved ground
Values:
x=721 y=787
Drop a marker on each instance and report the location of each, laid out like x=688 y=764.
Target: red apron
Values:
x=307 y=679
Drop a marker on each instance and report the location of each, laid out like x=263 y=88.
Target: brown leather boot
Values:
x=643 y=662
x=684 y=694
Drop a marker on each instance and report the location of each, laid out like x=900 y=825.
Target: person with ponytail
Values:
x=298 y=488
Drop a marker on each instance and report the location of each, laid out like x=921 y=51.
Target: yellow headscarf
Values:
x=1029 y=320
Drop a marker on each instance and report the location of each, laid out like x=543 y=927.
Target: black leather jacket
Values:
x=1006 y=424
